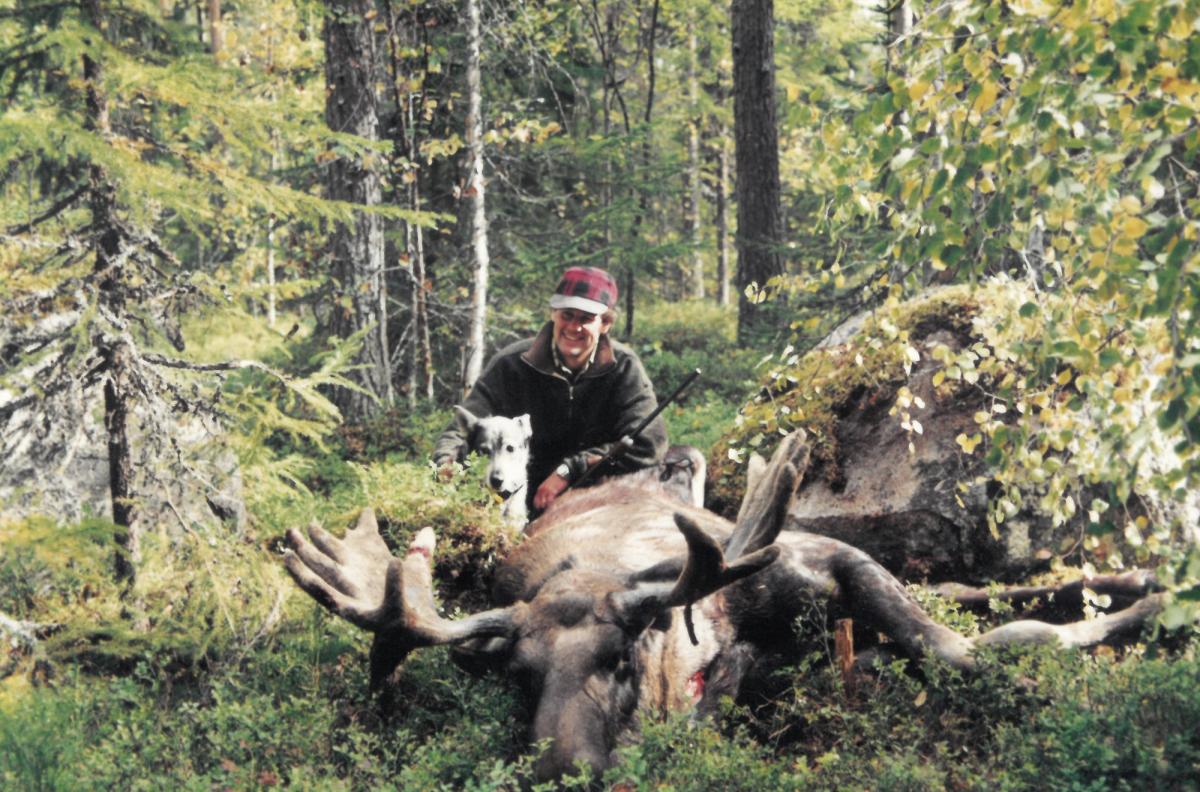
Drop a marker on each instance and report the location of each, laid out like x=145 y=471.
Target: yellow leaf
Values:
x=1131 y=204
x=918 y=89
x=920 y=699
x=986 y=185
x=1184 y=89
x=986 y=98
x=1134 y=228
x=1064 y=377
x=1098 y=236
x=1125 y=246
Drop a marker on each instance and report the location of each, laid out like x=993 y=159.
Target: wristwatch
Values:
x=563 y=470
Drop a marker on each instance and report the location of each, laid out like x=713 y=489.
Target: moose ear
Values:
x=466 y=419
x=526 y=426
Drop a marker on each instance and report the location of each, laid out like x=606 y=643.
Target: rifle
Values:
x=626 y=442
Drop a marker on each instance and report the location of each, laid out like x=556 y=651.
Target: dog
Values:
x=505 y=442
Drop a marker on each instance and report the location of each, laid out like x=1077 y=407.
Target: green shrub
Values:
x=676 y=338
x=40 y=742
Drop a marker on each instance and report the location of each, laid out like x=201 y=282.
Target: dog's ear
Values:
x=466 y=419
x=526 y=426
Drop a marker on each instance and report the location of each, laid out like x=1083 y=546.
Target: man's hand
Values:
x=550 y=489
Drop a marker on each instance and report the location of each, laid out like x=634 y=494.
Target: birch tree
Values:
x=476 y=191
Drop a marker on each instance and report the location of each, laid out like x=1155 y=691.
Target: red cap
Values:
x=588 y=289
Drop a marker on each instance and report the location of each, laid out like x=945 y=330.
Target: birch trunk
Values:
x=476 y=190
x=693 y=213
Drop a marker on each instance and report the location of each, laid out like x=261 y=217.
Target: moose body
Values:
x=626 y=601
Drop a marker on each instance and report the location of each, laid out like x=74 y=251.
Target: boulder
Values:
x=888 y=473
x=56 y=464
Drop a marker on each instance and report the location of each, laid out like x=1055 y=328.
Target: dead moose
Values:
x=626 y=602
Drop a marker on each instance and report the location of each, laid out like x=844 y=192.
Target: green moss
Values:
x=814 y=390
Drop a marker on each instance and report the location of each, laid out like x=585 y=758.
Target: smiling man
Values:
x=582 y=390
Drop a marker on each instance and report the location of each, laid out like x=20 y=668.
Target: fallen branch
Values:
x=26 y=632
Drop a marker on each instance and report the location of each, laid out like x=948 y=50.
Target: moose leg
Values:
x=1091 y=632
x=876 y=597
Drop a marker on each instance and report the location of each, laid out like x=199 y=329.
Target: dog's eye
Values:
x=509 y=449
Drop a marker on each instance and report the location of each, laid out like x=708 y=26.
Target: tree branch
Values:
x=53 y=211
x=229 y=365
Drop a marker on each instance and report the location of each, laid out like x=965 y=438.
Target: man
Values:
x=582 y=390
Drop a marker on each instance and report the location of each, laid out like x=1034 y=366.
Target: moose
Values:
x=626 y=601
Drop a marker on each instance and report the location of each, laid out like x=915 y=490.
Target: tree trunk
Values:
x=899 y=22
x=118 y=397
x=693 y=209
x=357 y=246
x=118 y=394
x=722 y=221
x=760 y=222
x=479 y=226
x=216 y=40
x=423 y=349
x=271 y=269
x=643 y=200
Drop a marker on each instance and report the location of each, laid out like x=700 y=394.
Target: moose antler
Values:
x=704 y=572
x=769 y=490
x=358 y=579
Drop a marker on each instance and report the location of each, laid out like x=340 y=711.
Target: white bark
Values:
x=693 y=219
x=476 y=190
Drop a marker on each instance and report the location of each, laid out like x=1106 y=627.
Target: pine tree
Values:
x=125 y=143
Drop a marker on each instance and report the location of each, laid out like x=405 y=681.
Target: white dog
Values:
x=505 y=441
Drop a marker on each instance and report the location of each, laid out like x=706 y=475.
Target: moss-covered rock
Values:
x=954 y=438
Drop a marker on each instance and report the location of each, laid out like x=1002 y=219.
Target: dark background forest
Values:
x=252 y=252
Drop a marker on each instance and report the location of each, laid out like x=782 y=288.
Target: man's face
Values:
x=576 y=334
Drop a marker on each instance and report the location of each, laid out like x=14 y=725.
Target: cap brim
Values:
x=578 y=303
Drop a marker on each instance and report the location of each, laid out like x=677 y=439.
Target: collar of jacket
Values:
x=540 y=356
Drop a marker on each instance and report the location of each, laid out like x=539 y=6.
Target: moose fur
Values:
x=625 y=602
